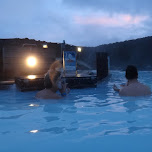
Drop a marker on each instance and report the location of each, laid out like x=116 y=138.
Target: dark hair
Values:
x=57 y=75
x=131 y=72
x=47 y=81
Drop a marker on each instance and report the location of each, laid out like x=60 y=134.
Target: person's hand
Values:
x=116 y=88
x=63 y=88
x=122 y=85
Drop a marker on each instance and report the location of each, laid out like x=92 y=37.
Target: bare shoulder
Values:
x=147 y=88
x=123 y=91
x=135 y=89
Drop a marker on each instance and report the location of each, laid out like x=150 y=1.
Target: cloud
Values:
x=117 y=20
x=38 y=19
x=121 y=6
x=98 y=22
x=79 y=22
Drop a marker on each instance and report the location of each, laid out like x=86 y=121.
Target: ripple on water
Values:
x=84 y=113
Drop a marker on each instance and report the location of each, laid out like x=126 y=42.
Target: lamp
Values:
x=79 y=49
x=45 y=46
x=31 y=61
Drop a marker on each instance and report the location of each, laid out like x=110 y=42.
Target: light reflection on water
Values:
x=87 y=113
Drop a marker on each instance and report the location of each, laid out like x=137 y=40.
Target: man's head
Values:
x=131 y=72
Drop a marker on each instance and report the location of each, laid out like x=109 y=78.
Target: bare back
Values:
x=135 y=89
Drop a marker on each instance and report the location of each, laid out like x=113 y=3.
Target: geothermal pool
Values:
x=92 y=120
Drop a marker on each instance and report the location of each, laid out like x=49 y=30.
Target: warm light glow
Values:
x=34 y=131
x=31 y=61
x=31 y=77
x=78 y=75
x=31 y=105
x=45 y=46
x=79 y=49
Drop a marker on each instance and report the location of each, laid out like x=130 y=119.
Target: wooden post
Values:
x=1 y=63
x=62 y=52
x=102 y=65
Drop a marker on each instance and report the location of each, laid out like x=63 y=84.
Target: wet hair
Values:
x=131 y=72
x=56 y=64
x=57 y=75
x=47 y=81
x=53 y=74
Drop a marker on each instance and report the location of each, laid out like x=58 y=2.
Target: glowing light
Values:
x=78 y=75
x=79 y=49
x=34 y=131
x=31 y=77
x=31 y=61
x=33 y=105
x=45 y=46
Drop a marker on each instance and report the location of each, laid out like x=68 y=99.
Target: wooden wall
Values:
x=13 y=55
x=14 y=52
x=1 y=63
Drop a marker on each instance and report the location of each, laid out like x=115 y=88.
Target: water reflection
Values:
x=12 y=117
x=53 y=108
x=57 y=130
x=54 y=130
x=51 y=118
x=60 y=115
x=5 y=132
x=132 y=106
x=34 y=131
x=33 y=105
x=136 y=128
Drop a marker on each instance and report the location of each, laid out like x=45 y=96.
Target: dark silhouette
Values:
x=133 y=87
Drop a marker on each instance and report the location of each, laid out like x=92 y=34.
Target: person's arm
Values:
x=116 y=88
x=63 y=89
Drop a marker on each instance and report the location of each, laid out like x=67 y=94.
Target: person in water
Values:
x=133 y=87
x=53 y=83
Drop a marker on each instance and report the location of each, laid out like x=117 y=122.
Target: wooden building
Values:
x=14 y=55
x=15 y=52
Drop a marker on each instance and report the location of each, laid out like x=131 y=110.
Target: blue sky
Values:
x=78 y=22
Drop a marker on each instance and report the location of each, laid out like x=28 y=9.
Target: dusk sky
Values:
x=78 y=22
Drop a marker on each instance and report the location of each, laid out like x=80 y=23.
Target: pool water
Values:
x=91 y=120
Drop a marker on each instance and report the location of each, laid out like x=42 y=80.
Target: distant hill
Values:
x=137 y=52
